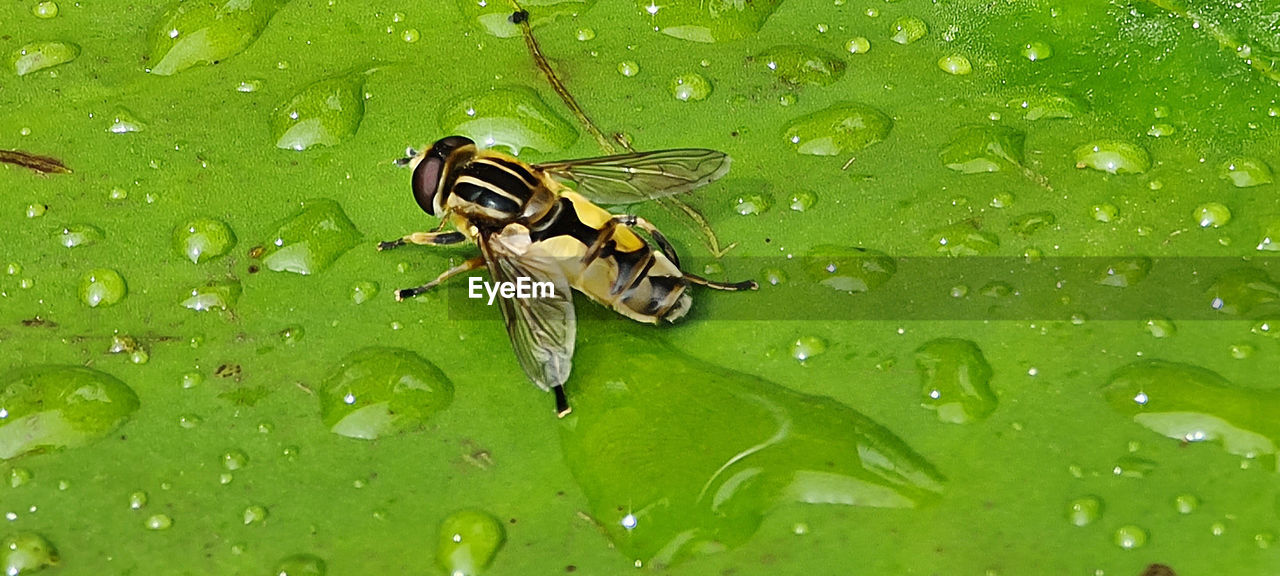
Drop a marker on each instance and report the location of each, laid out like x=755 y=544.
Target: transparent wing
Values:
x=630 y=178
x=542 y=330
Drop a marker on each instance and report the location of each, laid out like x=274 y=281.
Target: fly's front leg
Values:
x=424 y=239
x=664 y=246
x=467 y=266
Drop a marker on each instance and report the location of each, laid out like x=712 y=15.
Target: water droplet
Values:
x=807 y=347
x=45 y=10
x=773 y=276
x=512 y=117
x=1242 y=351
x=838 y=130
x=137 y=500
x=1191 y=404
x=189 y=421
x=908 y=29
x=1270 y=241
x=585 y=34
x=77 y=235
x=1245 y=172
x=410 y=35
x=255 y=514
x=858 y=45
x=1130 y=537
x=1160 y=327
x=468 y=541
x=362 y=291
x=704 y=21
x=216 y=295
x=847 y=269
x=1161 y=130
x=1036 y=50
x=292 y=335
x=1212 y=215
x=1084 y=511
x=752 y=204
x=976 y=149
x=1186 y=503
x=797 y=64
x=234 y=460
x=801 y=201
x=249 y=85
x=19 y=476
x=102 y=287
x=158 y=522
x=380 y=391
x=48 y=407
x=1264 y=540
x=1238 y=292
x=1124 y=272
x=955 y=380
x=322 y=114
x=300 y=565
x=1217 y=528
x=1029 y=224
x=955 y=64
x=36 y=210
x=691 y=87
x=123 y=122
x=1041 y=104
x=628 y=68
x=26 y=552
x=1113 y=156
x=203 y=239
x=38 y=56
x=1104 y=212
x=192 y=33
x=309 y=240
x=964 y=239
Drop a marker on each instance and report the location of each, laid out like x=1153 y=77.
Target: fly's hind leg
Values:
x=467 y=266
x=424 y=239
x=731 y=287
x=562 y=402
x=664 y=246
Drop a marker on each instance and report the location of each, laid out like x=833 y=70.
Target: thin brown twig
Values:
x=36 y=162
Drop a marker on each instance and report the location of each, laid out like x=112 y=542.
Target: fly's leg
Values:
x=562 y=402
x=467 y=266
x=664 y=246
x=734 y=287
x=425 y=239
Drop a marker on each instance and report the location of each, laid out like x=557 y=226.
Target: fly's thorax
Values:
x=496 y=189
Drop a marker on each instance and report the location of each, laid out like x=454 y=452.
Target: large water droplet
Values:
x=691 y=87
x=807 y=347
x=1211 y=215
x=1084 y=511
x=1124 y=272
x=300 y=565
x=45 y=10
x=1244 y=292
x=1245 y=172
x=799 y=64
x=124 y=122
x=763 y=446
x=908 y=29
x=976 y=149
x=216 y=295
x=380 y=391
x=25 y=553
x=192 y=33
x=1270 y=240
x=202 y=239
x=77 y=235
x=48 y=407
x=848 y=269
x=512 y=117
x=309 y=240
x=701 y=21
x=1191 y=404
x=965 y=239
x=102 y=287
x=37 y=56
x=840 y=129
x=468 y=541
x=955 y=64
x=1113 y=156
x=322 y=114
x=1041 y=104
x=955 y=380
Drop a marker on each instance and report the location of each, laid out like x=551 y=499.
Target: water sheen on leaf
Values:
x=672 y=470
x=511 y=117
x=47 y=407
x=708 y=20
x=322 y=114
x=203 y=32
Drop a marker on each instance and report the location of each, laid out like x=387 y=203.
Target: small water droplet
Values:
x=362 y=291
x=803 y=200
x=1104 y=212
x=203 y=239
x=468 y=541
x=798 y=64
x=1161 y=130
x=585 y=34
x=1242 y=351
x=102 y=287
x=1036 y=50
x=124 y=122
x=309 y=240
x=850 y=270
x=249 y=85
x=752 y=204
x=964 y=239
x=908 y=29
x=955 y=380
x=691 y=87
x=628 y=68
x=1130 y=537
x=1160 y=327
x=858 y=45
x=300 y=565
x=19 y=476
x=216 y=295
x=955 y=64
x=410 y=35
x=255 y=514
x=1186 y=503
x=45 y=10
x=77 y=235
x=36 y=210
x=773 y=276
x=38 y=56
x=189 y=421
x=807 y=347
x=159 y=522
x=1084 y=511
x=380 y=391
x=1113 y=156
x=137 y=500
x=1212 y=215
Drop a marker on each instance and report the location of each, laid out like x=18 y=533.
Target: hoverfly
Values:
x=529 y=223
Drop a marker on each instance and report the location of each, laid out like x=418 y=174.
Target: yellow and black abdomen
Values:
x=610 y=263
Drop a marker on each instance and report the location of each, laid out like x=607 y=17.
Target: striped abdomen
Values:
x=608 y=262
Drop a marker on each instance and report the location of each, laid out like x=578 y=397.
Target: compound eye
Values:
x=426 y=179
